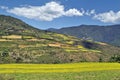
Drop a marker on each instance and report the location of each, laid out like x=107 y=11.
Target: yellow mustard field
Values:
x=47 y=68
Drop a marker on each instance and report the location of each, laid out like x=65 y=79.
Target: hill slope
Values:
x=108 y=34
x=22 y=43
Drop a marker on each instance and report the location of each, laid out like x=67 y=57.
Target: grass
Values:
x=94 y=75
x=71 y=71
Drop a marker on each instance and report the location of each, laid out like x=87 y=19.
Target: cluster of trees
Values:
x=5 y=58
x=115 y=58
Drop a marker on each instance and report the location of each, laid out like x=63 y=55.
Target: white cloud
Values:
x=4 y=7
x=73 y=12
x=89 y=13
x=108 y=17
x=47 y=12
x=92 y=11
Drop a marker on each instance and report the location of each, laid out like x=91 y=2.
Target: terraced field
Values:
x=72 y=71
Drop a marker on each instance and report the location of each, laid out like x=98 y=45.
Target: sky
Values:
x=44 y=14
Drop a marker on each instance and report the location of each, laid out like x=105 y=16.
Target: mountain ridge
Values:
x=22 y=43
x=108 y=34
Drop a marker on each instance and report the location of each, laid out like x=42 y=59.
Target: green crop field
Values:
x=71 y=71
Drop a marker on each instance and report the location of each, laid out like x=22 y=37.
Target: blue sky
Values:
x=45 y=14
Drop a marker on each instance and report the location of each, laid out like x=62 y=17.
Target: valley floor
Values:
x=72 y=71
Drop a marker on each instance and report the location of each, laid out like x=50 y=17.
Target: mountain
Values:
x=108 y=34
x=22 y=43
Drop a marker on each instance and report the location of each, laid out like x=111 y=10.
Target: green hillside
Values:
x=22 y=43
